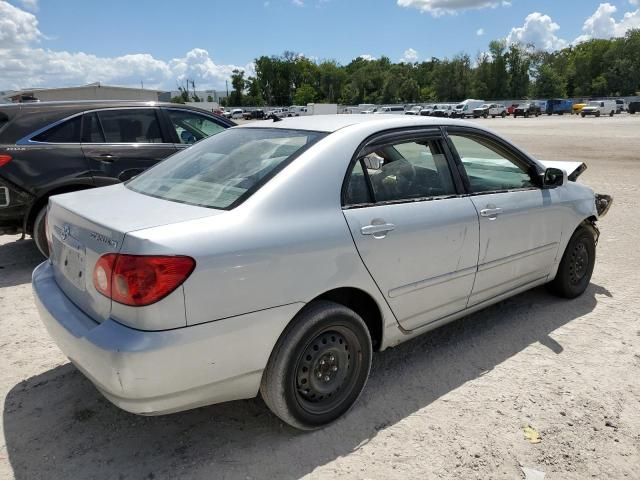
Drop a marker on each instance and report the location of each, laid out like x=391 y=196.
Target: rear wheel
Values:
x=611 y=113
x=39 y=233
x=319 y=366
x=576 y=266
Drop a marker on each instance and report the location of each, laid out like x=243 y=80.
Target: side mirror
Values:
x=553 y=177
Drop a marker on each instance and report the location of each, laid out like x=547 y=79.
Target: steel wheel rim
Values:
x=579 y=263
x=327 y=370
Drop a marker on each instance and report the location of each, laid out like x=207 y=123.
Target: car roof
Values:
x=81 y=104
x=332 y=123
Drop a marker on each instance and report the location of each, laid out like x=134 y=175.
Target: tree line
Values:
x=592 y=68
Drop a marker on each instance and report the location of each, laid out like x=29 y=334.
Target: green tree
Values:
x=549 y=83
x=209 y=98
x=238 y=84
x=304 y=94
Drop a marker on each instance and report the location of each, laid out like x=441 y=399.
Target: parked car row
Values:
x=472 y=108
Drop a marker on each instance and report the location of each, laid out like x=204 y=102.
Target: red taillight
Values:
x=4 y=159
x=139 y=280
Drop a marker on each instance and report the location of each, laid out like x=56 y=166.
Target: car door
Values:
x=520 y=223
x=417 y=237
x=120 y=143
x=191 y=127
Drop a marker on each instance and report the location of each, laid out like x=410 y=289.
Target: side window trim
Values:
x=520 y=158
x=391 y=137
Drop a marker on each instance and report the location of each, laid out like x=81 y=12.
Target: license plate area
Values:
x=72 y=263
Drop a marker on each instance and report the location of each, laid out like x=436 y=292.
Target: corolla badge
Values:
x=65 y=232
x=102 y=239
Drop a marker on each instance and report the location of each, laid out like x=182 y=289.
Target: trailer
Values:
x=322 y=108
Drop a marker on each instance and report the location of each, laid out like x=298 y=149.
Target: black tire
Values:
x=583 y=115
x=503 y=114
x=39 y=234
x=598 y=114
x=576 y=266
x=319 y=366
x=611 y=113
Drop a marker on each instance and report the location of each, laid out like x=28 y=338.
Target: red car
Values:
x=512 y=108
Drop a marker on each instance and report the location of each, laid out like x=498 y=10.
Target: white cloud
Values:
x=409 y=56
x=17 y=27
x=24 y=63
x=602 y=23
x=538 y=29
x=298 y=3
x=443 y=7
x=367 y=57
x=480 y=32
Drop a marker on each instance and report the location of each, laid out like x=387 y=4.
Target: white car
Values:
x=390 y=110
x=599 y=107
x=415 y=110
x=237 y=113
x=492 y=110
x=276 y=260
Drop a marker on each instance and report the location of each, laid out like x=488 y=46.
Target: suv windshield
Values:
x=225 y=169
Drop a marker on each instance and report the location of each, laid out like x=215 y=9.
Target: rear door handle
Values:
x=491 y=212
x=377 y=229
x=104 y=157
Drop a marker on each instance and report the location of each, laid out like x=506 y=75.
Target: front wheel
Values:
x=319 y=366
x=576 y=266
x=583 y=115
x=39 y=232
x=597 y=114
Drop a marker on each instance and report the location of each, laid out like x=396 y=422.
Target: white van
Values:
x=600 y=107
x=390 y=110
x=466 y=108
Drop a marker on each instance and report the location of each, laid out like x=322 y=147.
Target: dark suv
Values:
x=527 y=110
x=48 y=148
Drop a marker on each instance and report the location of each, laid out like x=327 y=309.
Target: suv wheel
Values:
x=319 y=366
x=39 y=233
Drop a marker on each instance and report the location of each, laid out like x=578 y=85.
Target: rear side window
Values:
x=65 y=132
x=223 y=170
x=131 y=126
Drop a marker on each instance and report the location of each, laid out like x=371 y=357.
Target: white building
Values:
x=93 y=91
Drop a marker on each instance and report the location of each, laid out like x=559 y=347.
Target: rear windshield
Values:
x=225 y=169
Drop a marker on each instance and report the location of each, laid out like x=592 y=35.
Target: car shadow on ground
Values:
x=56 y=425
x=17 y=261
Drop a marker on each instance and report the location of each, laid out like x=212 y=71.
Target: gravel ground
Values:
x=452 y=404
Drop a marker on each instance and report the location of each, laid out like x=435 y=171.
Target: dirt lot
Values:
x=452 y=404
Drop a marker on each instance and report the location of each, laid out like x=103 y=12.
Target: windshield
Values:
x=594 y=104
x=224 y=169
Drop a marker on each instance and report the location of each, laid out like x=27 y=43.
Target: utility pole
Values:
x=227 y=83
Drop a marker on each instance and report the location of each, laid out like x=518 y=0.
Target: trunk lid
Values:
x=88 y=224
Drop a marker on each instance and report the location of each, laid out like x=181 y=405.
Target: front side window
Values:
x=131 y=125
x=192 y=127
x=402 y=172
x=225 y=168
x=488 y=167
x=65 y=132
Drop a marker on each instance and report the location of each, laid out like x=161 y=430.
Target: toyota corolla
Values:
x=275 y=259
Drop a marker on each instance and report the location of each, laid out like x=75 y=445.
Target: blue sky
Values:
x=117 y=41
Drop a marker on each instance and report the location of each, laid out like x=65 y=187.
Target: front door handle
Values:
x=491 y=212
x=377 y=230
x=104 y=157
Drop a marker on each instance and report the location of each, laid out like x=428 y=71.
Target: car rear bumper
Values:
x=157 y=372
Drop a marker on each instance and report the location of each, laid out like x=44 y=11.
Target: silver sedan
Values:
x=275 y=258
